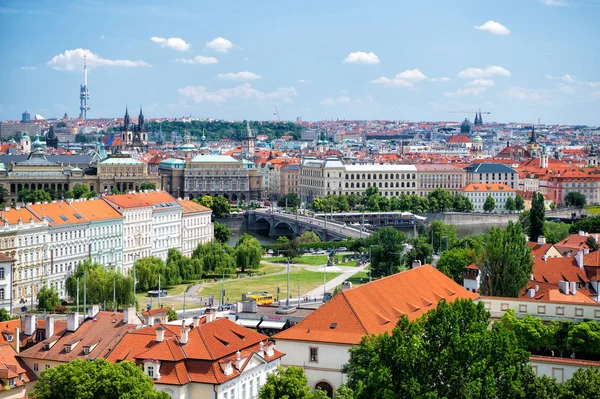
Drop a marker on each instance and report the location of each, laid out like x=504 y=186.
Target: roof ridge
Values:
x=201 y=333
x=344 y=295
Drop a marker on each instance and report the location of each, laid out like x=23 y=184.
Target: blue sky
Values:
x=400 y=60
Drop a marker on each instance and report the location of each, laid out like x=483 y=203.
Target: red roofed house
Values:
x=460 y=141
x=320 y=342
x=211 y=358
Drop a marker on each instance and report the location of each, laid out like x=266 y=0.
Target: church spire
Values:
x=532 y=140
x=141 y=119
x=126 y=118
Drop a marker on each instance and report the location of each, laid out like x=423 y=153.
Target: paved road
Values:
x=331 y=284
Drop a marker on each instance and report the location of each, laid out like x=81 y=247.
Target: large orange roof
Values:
x=58 y=213
x=13 y=215
x=489 y=187
x=156 y=197
x=96 y=210
x=127 y=201
x=376 y=307
x=192 y=207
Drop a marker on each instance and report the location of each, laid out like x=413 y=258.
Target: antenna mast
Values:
x=84 y=95
x=276 y=113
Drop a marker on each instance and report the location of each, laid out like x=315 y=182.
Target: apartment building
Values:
x=320 y=177
x=196 y=226
x=444 y=176
x=497 y=173
x=289 y=179
x=137 y=227
x=105 y=232
x=478 y=194
x=69 y=241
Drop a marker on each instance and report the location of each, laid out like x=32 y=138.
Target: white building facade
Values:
x=196 y=226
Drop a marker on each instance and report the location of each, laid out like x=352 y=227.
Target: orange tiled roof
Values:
x=553 y=270
x=13 y=216
x=375 y=307
x=96 y=209
x=58 y=213
x=459 y=139
x=192 y=207
x=127 y=201
x=489 y=187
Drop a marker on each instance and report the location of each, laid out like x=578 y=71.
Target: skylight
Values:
x=63 y=217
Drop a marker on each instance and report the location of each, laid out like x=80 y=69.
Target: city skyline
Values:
x=521 y=60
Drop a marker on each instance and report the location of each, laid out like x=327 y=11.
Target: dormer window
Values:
x=152 y=369
x=11 y=382
x=67 y=348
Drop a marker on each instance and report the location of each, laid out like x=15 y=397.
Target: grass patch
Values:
x=234 y=289
x=349 y=263
x=593 y=210
x=315 y=260
x=355 y=280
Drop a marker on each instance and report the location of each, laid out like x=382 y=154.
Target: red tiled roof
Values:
x=375 y=307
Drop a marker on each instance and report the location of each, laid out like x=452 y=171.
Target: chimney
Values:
x=93 y=311
x=579 y=259
x=184 y=333
x=73 y=321
x=196 y=321
x=130 y=316
x=581 y=233
x=160 y=334
x=541 y=240
x=30 y=324
x=239 y=362
x=563 y=286
x=537 y=288
x=416 y=263
x=573 y=288
x=269 y=346
x=531 y=292
x=586 y=250
x=544 y=257
x=211 y=315
x=17 y=339
x=49 y=327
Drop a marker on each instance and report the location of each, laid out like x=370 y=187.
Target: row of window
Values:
x=382 y=176
x=381 y=185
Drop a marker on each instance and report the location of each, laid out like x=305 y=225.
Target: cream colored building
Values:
x=444 y=176
x=320 y=177
x=290 y=175
x=196 y=226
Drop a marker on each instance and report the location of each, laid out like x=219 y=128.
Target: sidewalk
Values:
x=331 y=284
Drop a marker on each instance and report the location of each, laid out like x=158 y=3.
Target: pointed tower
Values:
x=141 y=120
x=126 y=119
x=543 y=158
x=203 y=139
x=248 y=143
x=592 y=158
x=532 y=146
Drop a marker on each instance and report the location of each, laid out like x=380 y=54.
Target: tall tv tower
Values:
x=84 y=95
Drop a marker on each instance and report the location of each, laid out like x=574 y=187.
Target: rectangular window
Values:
x=35 y=367
x=504 y=307
x=597 y=314
x=578 y=312
x=313 y=354
x=541 y=309
x=560 y=310
x=522 y=308
x=559 y=374
x=151 y=371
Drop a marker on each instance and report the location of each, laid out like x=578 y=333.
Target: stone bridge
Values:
x=286 y=224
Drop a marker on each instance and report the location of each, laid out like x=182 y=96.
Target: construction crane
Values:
x=276 y=113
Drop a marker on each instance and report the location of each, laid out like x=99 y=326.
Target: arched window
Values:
x=402 y=175
x=380 y=185
x=397 y=176
x=363 y=175
x=386 y=176
x=2 y=294
x=369 y=176
x=346 y=176
x=380 y=176
x=2 y=273
x=413 y=176
x=402 y=184
x=386 y=184
x=363 y=184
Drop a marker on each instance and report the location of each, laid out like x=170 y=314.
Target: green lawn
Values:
x=313 y=260
x=234 y=289
x=355 y=280
x=349 y=263
x=593 y=210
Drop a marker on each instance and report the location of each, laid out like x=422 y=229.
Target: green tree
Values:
x=370 y=191
x=248 y=253
x=47 y=298
x=490 y=204
x=215 y=258
x=441 y=236
x=291 y=200
x=282 y=240
x=450 y=352
x=291 y=249
x=453 y=262
x=510 y=204
x=221 y=206
x=589 y=225
x=99 y=284
x=462 y=203
x=386 y=248
x=171 y=314
x=115 y=191
x=34 y=196
x=221 y=232
x=4 y=194
x=519 y=203
x=81 y=138
x=96 y=379
x=81 y=191
x=5 y=316
x=422 y=251
x=575 y=199
x=537 y=217
x=556 y=231
x=584 y=384
x=206 y=201
x=290 y=383
x=592 y=243
x=440 y=200
x=147 y=186
x=308 y=237
x=343 y=392
x=507 y=262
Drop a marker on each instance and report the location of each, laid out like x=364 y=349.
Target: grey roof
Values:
x=292 y=167
x=80 y=159
x=489 y=168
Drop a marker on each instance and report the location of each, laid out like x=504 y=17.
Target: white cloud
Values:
x=555 y=3
x=220 y=44
x=241 y=76
x=302 y=81
x=176 y=43
x=493 y=27
x=199 y=59
x=360 y=57
x=402 y=79
x=549 y=77
x=475 y=73
x=199 y=94
x=567 y=89
x=470 y=92
x=521 y=93
x=482 y=83
x=73 y=60
x=28 y=68
x=442 y=79
x=339 y=100
x=594 y=85
x=568 y=78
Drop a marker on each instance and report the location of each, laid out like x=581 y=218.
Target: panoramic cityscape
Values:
x=300 y=200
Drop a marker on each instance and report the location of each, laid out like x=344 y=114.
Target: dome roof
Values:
x=465 y=127
x=477 y=139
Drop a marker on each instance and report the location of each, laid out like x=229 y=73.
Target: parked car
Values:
x=342 y=249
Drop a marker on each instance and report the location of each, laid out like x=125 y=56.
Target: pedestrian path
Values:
x=331 y=284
